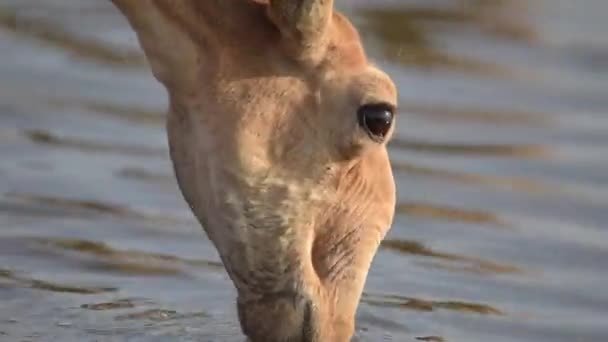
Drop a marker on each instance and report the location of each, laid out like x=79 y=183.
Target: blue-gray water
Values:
x=501 y=159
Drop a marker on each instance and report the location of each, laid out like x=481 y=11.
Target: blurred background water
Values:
x=501 y=160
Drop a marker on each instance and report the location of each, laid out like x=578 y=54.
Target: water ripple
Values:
x=101 y=257
x=499 y=182
x=56 y=36
x=431 y=339
x=13 y=279
x=140 y=174
x=418 y=304
x=435 y=212
x=523 y=151
x=123 y=303
x=406 y=41
x=130 y=114
x=447 y=114
x=159 y=315
x=472 y=264
x=77 y=206
x=44 y=137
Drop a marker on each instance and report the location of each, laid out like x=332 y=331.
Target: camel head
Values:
x=277 y=128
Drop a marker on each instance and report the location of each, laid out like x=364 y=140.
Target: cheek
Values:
x=382 y=194
x=350 y=140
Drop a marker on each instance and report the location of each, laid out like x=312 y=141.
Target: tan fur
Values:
x=268 y=153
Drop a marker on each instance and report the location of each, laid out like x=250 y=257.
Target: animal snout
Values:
x=278 y=317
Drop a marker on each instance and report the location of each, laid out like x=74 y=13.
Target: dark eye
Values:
x=376 y=119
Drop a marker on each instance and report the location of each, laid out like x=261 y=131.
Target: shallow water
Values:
x=500 y=159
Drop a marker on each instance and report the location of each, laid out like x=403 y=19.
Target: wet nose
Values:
x=278 y=317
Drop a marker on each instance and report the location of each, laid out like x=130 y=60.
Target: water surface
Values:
x=500 y=158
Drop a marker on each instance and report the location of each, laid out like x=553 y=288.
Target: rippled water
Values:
x=501 y=162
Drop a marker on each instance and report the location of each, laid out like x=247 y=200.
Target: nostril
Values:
x=376 y=120
x=308 y=330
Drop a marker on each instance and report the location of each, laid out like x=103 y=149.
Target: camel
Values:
x=277 y=127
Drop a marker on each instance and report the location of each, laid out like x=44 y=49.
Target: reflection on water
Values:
x=406 y=33
x=519 y=151
x=56 y=36
x=143 y=175
x=500 y=230
x=405 y=41
x=428 y=211
x=476 y=115
x=429 y=305
x=123 y=303
x=452 y=260
x=508 y=183
x=87 y=206
x=47 y=138
x=128 y=114
x=158 y=315
x=104 y=258
x=11 y=279
x=431 y=339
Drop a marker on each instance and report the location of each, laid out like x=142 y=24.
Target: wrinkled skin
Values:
x=269 y=154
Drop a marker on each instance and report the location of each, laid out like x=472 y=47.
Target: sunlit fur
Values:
x=268 y=153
